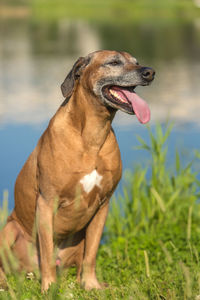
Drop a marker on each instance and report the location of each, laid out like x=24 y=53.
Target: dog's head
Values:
x=112 y=77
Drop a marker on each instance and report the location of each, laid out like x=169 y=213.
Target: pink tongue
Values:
x=139 y=106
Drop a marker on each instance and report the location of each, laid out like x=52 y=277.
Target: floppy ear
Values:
x=68 y=84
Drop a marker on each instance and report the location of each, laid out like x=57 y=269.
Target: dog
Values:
x=62 y=192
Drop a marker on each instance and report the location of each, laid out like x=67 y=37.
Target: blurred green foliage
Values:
x=116 y=10
x=149 y=29
x=111 y=10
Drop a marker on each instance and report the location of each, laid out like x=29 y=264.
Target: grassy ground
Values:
x=151 y=245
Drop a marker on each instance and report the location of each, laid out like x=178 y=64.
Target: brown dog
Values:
x=63 y=190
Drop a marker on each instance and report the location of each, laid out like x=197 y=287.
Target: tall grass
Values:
x=152 y=239
x=4 y=208
x=154 y=226
x=158 y=195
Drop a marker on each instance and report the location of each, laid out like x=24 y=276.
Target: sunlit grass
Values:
x=151 y=243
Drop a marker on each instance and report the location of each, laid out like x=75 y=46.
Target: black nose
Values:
x=147 y=74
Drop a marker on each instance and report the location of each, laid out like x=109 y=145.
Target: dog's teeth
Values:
x=115 y=94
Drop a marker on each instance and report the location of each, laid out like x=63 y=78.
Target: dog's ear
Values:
x=68 y=84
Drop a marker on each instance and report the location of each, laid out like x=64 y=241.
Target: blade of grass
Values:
x=158 y=199
x=146 y=259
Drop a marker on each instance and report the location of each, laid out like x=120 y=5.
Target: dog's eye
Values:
x=115 y=63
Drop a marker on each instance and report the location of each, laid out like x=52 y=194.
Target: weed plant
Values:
x=150 y=247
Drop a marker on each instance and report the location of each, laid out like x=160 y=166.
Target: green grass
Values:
x=152 y=239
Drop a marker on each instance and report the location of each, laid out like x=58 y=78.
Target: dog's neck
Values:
x=89 y=117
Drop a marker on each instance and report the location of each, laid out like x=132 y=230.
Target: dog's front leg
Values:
x=93 y=236
x=44 y=221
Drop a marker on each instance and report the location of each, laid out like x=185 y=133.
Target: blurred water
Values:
x=35 y=58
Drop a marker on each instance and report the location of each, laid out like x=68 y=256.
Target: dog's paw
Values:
x=92 y=283
x=46 y=285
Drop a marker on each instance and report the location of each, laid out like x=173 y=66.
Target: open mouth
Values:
x=126 y=99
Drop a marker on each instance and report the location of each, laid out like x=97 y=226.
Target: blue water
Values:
x=18 y=141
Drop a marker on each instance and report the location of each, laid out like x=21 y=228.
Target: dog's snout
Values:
x=147 y=74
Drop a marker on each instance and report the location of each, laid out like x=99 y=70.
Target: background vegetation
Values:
x=108 y=10
x=149 y=28
x=128 y=10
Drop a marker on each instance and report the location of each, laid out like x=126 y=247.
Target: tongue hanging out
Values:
x=139 y=106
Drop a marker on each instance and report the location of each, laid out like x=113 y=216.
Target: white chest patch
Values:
x=89 y=181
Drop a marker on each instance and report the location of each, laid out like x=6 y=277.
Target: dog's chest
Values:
x=91 y=191
x=88 y=188
x=89 y=183
x=91 y=180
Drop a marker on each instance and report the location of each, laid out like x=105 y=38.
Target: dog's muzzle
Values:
x=147 y=74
